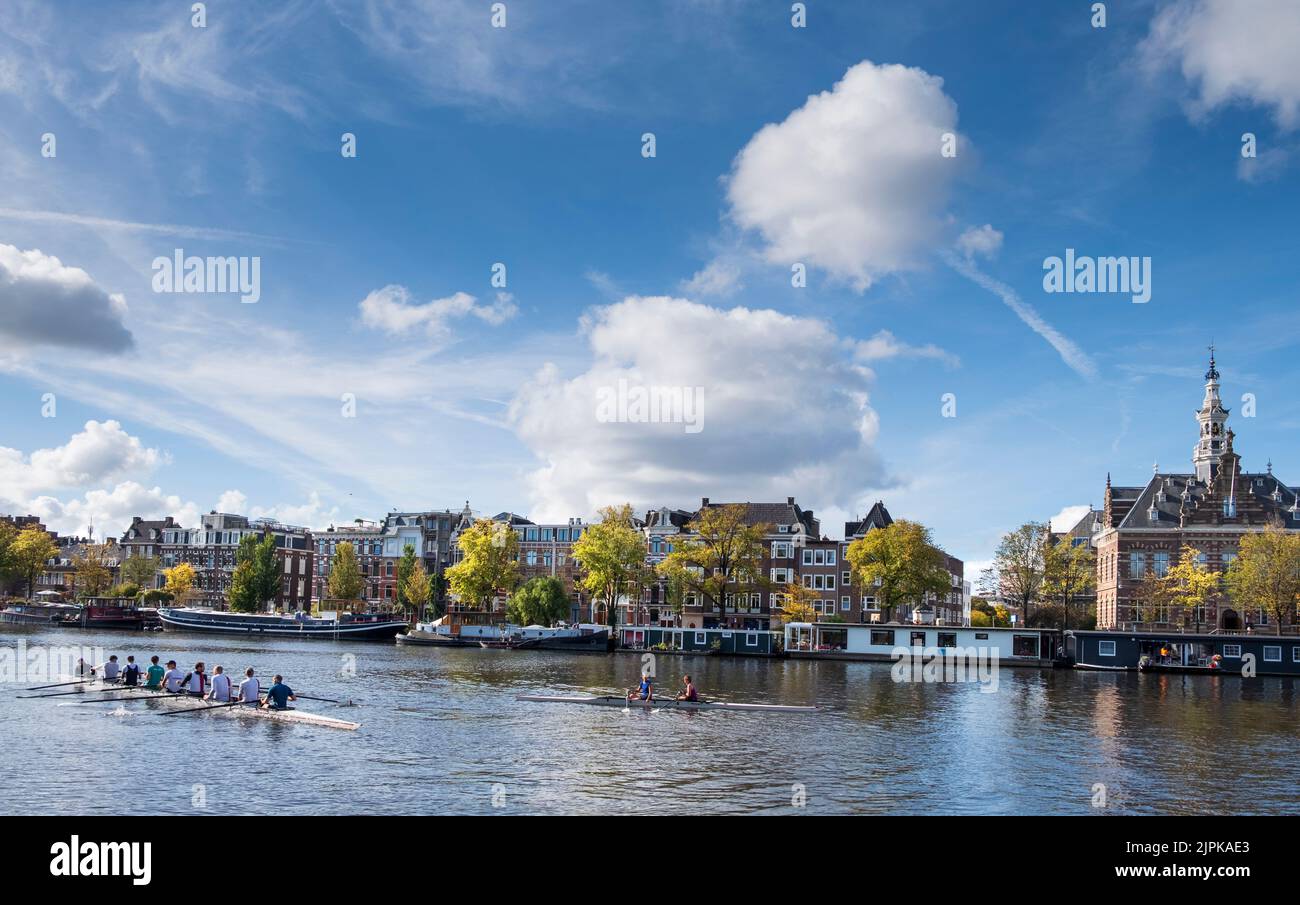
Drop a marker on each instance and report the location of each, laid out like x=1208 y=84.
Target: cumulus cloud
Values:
x=783 y=404
x=719 y=277
x=44 y=302
x=980 y=241
x=392 y=310
x=1232 y=51
x=884 y=345
x=853 y=181
x=1068 y=517
x=109 y=511
x=100 y=452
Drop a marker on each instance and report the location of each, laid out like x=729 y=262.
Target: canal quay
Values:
x=442 y=732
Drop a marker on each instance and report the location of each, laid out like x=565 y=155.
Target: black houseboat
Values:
x=342 y=626
x=1236 y=655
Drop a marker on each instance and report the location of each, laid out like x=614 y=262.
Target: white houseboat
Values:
x=879 y=641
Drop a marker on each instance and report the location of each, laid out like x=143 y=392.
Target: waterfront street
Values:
x=442 y=733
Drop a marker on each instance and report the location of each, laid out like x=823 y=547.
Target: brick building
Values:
x=211 y=549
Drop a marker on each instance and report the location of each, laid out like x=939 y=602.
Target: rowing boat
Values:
x=610 y=700
x=184 y=702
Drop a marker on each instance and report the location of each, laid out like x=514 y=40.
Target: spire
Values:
x=1213 y=373
x=1211 y=420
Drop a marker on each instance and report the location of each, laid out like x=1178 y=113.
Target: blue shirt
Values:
x=278 y=695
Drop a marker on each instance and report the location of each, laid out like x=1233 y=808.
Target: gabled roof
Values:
x=1166 y=497
x=774 y=514
x=878 y=517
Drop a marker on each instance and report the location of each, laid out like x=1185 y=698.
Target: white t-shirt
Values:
x=250 y=689
x=198 y=683
x=172 y=680
x=221 y=687
x=110 y=670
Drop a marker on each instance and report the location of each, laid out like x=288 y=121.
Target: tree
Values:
x=405 y=567
x=1153 y=599
x=266 y=572
x=1018 y=564
x=798 y=604
x=612 y=555
x=28 y=554
x=179 y=579
x=345 y=581
x=488 y=566
x=900 y=564
x=93 y=575
x=721 y=550
x=540 y=601
x=256 y=578
x=1191 y=585
x=124 y=590
x=983 y=613
x=139 y=570
x=1266 y=573
x=1069 y=572
x=8 y=571
x=416 y=589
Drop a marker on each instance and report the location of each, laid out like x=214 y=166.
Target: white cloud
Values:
x=980 y=241
x=854 y=180
x=1068 y=517
x=884 y=345
x=391 y=310
x=1232 y=51
x=784 y=403
x=100 y=452
x=109 y=511
x=42 y=301
x=720 y=277
x=234 y=502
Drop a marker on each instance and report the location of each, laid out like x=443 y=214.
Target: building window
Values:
x=846 y=603
x=1105 y=648
x=1272 y=653
x=1232 y=651
x=1161 y=566
x=1137 y=565
x=807 y=557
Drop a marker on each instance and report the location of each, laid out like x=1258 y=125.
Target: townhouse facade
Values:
x=367 y=540
x=211 y=548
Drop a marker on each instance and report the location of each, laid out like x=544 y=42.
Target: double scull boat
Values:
x=610 y=700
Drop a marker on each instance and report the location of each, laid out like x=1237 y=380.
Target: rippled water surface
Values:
x=442 y=733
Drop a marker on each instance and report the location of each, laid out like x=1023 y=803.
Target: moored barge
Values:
x=341 y=626
x=1185 y=652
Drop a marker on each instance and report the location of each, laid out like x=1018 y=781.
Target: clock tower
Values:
x=1212 y=419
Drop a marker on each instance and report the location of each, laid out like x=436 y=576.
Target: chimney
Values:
x=705 y=503
x=789 y=500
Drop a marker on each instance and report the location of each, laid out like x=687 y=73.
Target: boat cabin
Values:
x=879 y=641
x=1276 y=655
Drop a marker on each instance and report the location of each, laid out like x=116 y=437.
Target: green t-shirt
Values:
x=155 y=676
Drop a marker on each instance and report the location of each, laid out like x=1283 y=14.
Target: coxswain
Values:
x=250 y=690
x=154 y=675
x=220 y=686
x=173 y=679
x=689 y=692
x=643 y=692
x=278 y=695
x=131 y=672
x=196 y=683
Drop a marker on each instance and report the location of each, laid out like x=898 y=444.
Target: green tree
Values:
x=1191 y=585
x=1266 y=573
x=405 y=568
x=8 y=570
x=1018 y=565
x=93 y=574
x=416 y=589
x=346 y=582
x=256 y=578
x=720 y=551
x=139 y=570
x=124 y=590
x=540 y=601
x=29 y=552
x=1153 y=599
x=612 y=555
x=488 y=565
x=1069 y=573
x=899 y=564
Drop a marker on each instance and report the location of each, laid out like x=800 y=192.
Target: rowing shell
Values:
x=610 y=700
x=183 y=702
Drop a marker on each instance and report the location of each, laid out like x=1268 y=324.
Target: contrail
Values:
x=1070 y=353
x=171 y=229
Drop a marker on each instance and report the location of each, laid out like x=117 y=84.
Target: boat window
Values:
x=1232 y=650
x=751 y=639
x=1295 y=655
x=700 y=638
x=947 y=639
x=882 y=637
x=1105 y=648
x=1024 y=646
x=1272 y=653
x=981 y=636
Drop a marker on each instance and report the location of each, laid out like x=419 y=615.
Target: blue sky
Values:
x=523 y=145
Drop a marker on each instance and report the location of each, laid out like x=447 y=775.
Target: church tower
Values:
x=1212 y=418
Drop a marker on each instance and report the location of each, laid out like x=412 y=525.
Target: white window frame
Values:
x=701 y=638
x=1103 y=650
x=1232 y=651
x=1277 y=649
x=751 y=639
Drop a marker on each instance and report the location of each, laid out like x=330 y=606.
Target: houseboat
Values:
x=1211 y=653
x=703 y=641
x=445 y=632
x=880 y=640
x=40 y=613
x=336 y=626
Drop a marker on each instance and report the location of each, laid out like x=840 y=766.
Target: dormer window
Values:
x=782 y=529
x=1153 y=514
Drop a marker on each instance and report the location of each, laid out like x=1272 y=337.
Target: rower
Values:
x=154 y=677
x=131 y=673
x=250 y=690
x=279 y=695
x=83 y=669
x=644 y=691
x=220 y=686
x=111 y=669
x=689 y=692
x=196 y=683
x=173 y=679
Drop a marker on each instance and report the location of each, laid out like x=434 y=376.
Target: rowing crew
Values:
x=195 y=683
x=646 y=692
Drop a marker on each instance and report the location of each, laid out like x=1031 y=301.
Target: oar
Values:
x=61 y=684
x=213 y=707
x=54 y=694
x=119 y=696
x=303 y=697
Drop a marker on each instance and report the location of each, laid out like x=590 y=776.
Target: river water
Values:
x=442 y=733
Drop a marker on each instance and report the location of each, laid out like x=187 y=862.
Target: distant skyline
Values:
x=440 y=317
